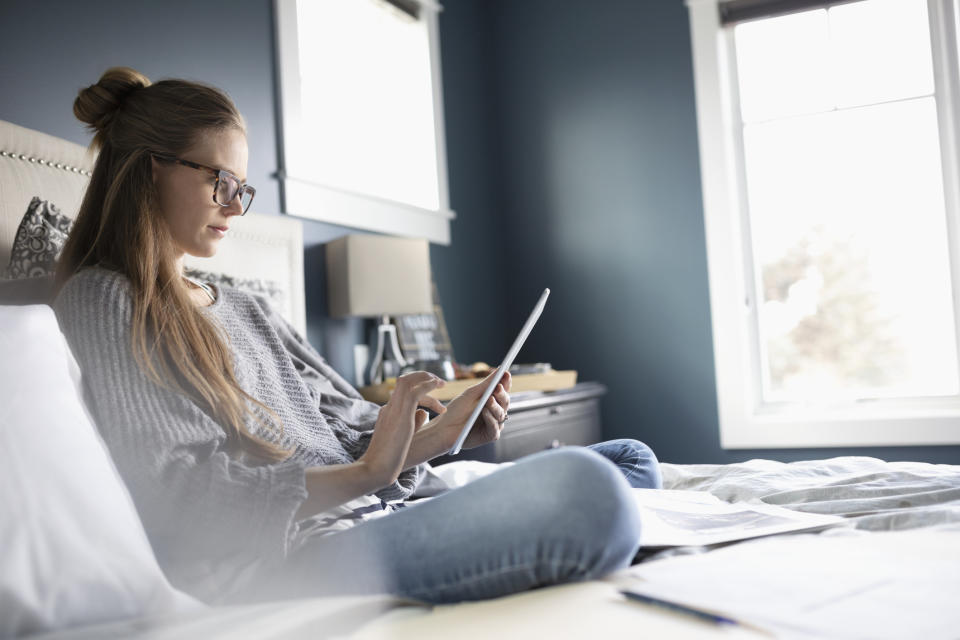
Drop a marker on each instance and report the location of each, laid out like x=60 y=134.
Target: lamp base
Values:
x=387 y=360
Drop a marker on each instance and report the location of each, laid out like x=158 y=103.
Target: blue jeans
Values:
x=556 y=516
x=635 y=460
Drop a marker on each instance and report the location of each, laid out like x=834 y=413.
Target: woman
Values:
x=258 y=471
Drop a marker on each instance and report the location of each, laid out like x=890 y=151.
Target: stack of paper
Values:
x=903 y=584
x=681 y=518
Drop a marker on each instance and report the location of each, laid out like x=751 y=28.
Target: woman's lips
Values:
x=220 y=231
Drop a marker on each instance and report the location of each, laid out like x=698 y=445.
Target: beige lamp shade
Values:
x=373 y=275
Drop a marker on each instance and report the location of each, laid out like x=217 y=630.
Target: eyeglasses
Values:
x=225 y=189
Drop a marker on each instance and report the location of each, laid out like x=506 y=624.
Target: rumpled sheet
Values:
x=890 y=570
x=873 y=494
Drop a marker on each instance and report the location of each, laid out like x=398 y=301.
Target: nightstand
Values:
x=543 y=420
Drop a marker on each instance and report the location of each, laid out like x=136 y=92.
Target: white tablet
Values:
x=507 y=361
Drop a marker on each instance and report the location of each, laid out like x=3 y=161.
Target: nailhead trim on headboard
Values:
x=57 y=165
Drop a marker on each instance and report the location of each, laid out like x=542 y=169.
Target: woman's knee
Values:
x=635 y=459
x=592 y=503
x=573 y=472
x=648 y=467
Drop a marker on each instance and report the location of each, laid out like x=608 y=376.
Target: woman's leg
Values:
x=553 y=517
x=635 y=459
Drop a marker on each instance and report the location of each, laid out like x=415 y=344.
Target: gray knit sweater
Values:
x=215 y=519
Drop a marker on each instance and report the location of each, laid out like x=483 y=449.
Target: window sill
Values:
x=886 y=424
x=316 y=202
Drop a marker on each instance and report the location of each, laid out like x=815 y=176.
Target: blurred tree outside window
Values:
x=846 y=215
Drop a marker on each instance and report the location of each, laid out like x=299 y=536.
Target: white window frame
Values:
x=305 y=197
x=745 y=422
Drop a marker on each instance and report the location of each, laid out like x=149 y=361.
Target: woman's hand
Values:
x=430 y=403
x=332 y=485
x=488 y=426
x=398 y=419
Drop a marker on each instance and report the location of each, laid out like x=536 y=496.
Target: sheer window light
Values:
x=362 y=115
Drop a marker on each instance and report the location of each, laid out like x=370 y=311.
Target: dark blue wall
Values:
x=472 y=273
x=599 y=186
x=601 y=180
x=50 y=49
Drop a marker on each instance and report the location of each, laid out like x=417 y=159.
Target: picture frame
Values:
x=424 y=336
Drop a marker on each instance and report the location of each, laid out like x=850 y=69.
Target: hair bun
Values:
x=97 y=104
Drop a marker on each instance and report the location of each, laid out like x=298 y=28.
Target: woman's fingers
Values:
x=493 y=424
x=496 y=405
x=415 y=379
x=425 y=387
x=478 y=389
x=502 y=397
x=496 y=409
x=415 y=387
x=433 y=404
x=398 y=420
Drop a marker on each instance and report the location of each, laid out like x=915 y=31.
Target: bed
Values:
x=891 y=569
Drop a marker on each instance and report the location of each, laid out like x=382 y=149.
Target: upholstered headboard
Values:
x=259 y=247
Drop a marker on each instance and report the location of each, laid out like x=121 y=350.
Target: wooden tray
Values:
x=550 y=381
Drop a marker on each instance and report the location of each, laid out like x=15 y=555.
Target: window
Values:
x=831 y=184
x=362 y=115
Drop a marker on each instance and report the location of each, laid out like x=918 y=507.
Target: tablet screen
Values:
x=507 y=361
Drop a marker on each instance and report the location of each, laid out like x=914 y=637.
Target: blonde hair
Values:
x=119 y=227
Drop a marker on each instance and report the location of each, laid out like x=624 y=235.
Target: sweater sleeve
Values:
x=350 y=416
x=200 y=505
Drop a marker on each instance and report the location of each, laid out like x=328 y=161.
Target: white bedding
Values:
x=873 y=494
x=921 y=501
x=891 y=571
x=290 y=620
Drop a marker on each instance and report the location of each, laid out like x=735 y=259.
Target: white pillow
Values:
x=72 y=549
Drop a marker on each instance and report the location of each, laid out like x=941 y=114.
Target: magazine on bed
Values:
x=681 y=518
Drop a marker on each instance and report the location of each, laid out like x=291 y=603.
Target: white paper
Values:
x=681 y=518
x=902 y=584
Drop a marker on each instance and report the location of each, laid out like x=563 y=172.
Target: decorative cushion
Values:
x=72 y=547
x=39 y=240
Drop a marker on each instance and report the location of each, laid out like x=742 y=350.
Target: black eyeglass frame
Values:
x=242 y=187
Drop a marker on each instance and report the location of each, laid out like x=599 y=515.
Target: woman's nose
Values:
x=235 y=208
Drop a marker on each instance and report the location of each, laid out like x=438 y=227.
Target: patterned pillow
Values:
x=39 y=241
x=44 y=230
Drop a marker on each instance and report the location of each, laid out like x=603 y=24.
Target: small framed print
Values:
x=423 y=336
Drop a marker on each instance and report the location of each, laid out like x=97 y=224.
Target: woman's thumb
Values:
x=486 y=381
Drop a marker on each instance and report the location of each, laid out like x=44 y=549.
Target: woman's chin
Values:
x=205 y=250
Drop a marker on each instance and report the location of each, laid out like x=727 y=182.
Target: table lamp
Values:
x=379 y=276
